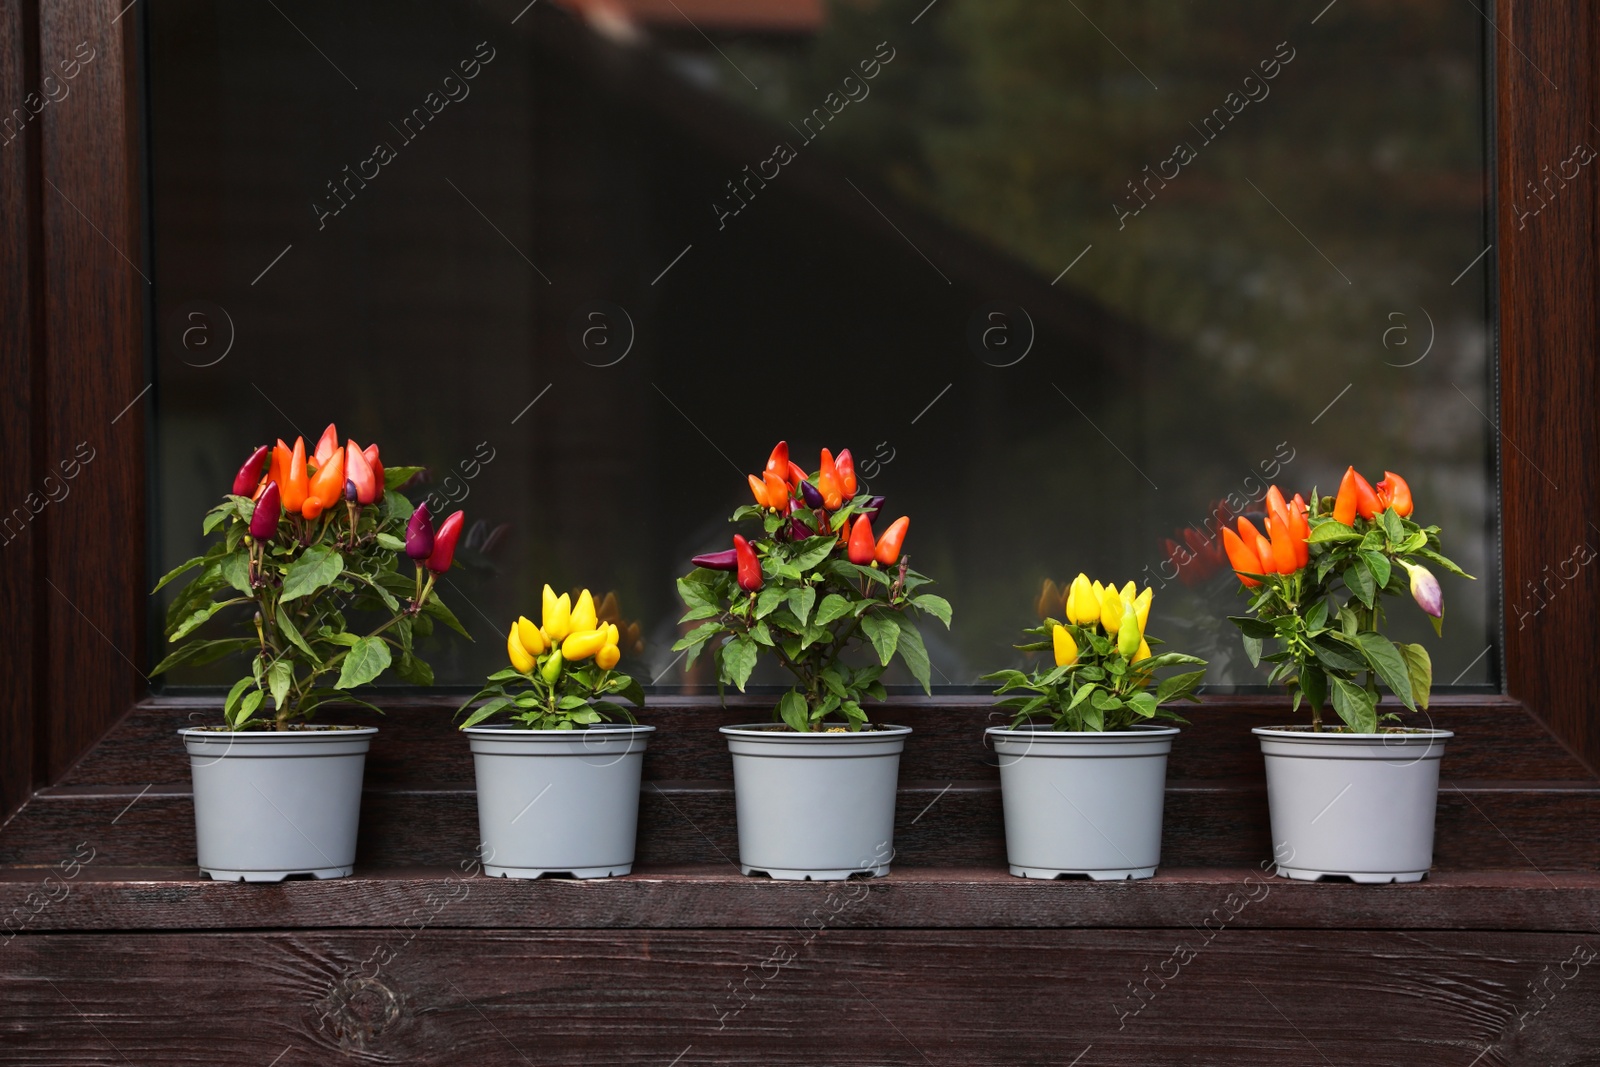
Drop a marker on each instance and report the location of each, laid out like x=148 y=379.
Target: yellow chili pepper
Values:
x=583 y=613
x=582 y=644
x=1083 y=604
x=1128 y=637
x=557 y=615
x=1144 y=651
x=1110 y=610
x=1129 y=591
x=1066 y=647
x=1141 y=608
x=530 y=636
x=521 y=661
x=607 y=657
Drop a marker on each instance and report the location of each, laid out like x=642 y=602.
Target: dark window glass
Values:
x=1062 y=276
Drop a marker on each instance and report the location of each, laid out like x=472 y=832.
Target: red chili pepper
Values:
x=264 y=520
x=371 y=456
x=296 y=482
x=862 y=547
x=249 y=476
x=359 y=472
x=828 y=482
x=796 y=475
x=846 y=466
x=778 y=462
x=1394 y=492
x=1284 y=557
x=749 y=576
x=444 y=543
x=1344 y=506
x=1242 y=557
x=888 y=551
x=327 y=445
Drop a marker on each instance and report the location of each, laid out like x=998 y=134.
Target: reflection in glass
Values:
x=1063 y=285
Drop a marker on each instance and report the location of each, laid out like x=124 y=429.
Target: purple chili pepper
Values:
x=798 y=530
x=264 y=520
x=717 y=561
x=419 y=534
x=812 y=494
x=872 y=508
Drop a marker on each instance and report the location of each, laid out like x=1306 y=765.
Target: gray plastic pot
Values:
x=278 y=803
x=558 y=802
x=1083 y=803
x=1356 y=805
x=815 y=807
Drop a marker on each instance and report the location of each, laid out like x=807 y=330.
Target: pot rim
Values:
x=781 y=734
x=1034 y=731
x=1304 y=733
x=306 y=732
x=504 y=730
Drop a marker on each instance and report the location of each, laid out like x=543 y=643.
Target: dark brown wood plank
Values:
x=837 y=996
x=1542 y=826
x=51 y=899
x=93 y=587
x=19 y=295
x=1550 y=436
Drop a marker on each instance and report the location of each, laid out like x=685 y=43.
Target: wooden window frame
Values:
x=74 y=310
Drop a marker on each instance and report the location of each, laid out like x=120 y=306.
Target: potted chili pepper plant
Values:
x=301 y=542
x=1083 y=765
x=814 y=789
x=1354 y=798
x=558 y=786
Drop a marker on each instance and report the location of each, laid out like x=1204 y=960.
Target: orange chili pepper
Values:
x=888 y=551
x=327 y=444
x=1242 y=557
x=1299 y=532
x=327 y=485
x=777 y=491
x=758 y=489
x=1367 y=505
x=828 y=483
x=1394 y=492
x=1276 y=506
x=1284 y=557
x=296 y=482
x=1344 y=506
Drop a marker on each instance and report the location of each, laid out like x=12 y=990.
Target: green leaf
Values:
x=217 y=517
x=397 y=477
x=363 y=663
x=698 y=636
x=1389 y=664
x=884 y=635
x=738 y=660
x=319 y=566
x=1252 y=627
x=1178 y=686
x=1332 y=530
x=937 y=606
x=913 y=651
x=1252 y=649
x=1144 y=704
x=1393 y=527
x=696 y=594
x=1420 y=668
x=1430 y=554
x=247 y=708
x=815 y=550
x=1336 y=657
x=280 y=676
x=435 y=607
x=384 y=595
x=414 y=670
x=176 y=571
x=1359 y=578
x=1378 y=564
x=792 y=710
x=287 y=626
x=390 y=541
x=1354 y=705
x=801 y=602
x=236 y=569
x=229 y=705
x=833 y=606
x=199 y=617
x=768 y=600
x=1314 y=684
x=196 y=653
x=488 y=709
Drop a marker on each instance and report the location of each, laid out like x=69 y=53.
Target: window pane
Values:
x=1062 y=276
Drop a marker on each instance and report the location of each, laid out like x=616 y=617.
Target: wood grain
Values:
x=150 y=898
x=839 y=996
x=19 y=296
x=1550 y=435
x=93 y=588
